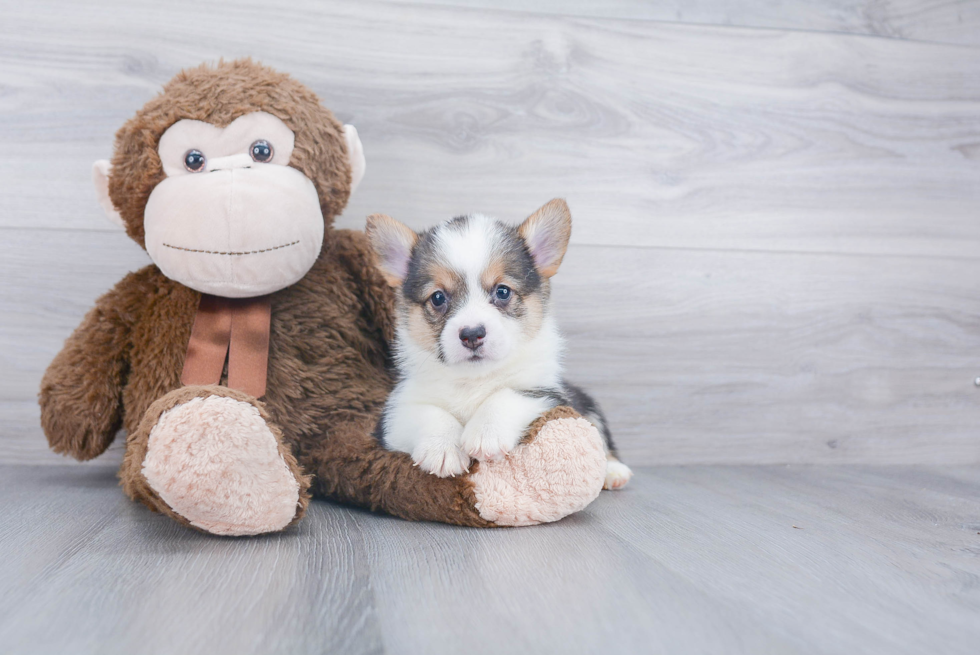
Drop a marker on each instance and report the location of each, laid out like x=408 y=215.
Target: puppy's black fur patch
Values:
x=574 y=397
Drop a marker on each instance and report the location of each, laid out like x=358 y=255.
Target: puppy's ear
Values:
x=546 y=233
x=393 y=241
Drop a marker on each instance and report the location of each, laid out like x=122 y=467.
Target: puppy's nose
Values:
x=472 y=338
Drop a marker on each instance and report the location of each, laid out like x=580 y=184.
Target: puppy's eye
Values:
x=502 y=293
x=439 y=300
x=261 y=151
x=194 y=161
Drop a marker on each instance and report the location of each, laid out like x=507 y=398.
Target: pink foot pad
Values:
x=215 y=462
x=560 y=472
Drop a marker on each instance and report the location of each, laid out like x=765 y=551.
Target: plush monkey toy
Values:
x=250 y=362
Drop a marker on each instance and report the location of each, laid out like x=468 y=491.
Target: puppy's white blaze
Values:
x=468 y=249
x=468 y=252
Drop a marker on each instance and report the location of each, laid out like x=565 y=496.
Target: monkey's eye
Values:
x=261 y=151
x=502 y=293
x=439 y=300
x=194 y=161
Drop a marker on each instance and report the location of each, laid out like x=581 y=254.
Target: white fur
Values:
x=438 y=450
x=477 y=395
x=469 y=253
x=497 y=425
x=617 y=474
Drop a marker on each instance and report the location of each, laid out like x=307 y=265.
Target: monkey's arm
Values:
x=81 y=391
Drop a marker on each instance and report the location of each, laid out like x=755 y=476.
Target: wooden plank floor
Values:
x=700 y=559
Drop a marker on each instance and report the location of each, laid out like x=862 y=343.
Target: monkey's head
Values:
x=230 y=177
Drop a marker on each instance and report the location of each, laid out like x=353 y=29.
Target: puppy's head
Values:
x=472 y=289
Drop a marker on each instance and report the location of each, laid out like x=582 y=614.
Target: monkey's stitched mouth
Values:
x=218 y=252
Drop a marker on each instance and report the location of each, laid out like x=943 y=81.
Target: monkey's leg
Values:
x=210 y=457
x=557 y=470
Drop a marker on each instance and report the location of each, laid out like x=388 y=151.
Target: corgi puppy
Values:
x=477 y=350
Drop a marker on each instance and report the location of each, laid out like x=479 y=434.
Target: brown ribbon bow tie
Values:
x=234 y=327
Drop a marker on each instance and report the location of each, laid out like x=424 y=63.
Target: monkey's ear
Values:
x=100 y=178
x=356 y=155
x=393 y=241
x=546 y=233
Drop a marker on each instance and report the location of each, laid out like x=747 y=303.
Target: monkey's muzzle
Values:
x=239 y=229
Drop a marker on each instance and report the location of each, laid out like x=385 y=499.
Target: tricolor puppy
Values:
x=478 y=353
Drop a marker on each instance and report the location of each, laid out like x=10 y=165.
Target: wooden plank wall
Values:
x=776 y=254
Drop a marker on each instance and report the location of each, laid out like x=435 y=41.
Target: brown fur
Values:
x=328 y=357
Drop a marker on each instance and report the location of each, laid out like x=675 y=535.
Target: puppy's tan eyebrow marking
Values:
x=217 y=252
x=493 y=274
x=445 y=278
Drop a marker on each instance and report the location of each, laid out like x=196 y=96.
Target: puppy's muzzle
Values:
x=472 y=337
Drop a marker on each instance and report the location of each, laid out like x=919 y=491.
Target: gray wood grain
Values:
x=92 y=589
x=767 y=358
x=949 y=21
x=658 y=134
x=697 y=356
x=686 y=560
x=23 y=442
x=776 y=232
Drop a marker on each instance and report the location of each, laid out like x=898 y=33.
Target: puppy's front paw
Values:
x=489 y=440
x=442 y=458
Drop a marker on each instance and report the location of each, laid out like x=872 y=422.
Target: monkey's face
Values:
x=230 y=177
x=232 y=218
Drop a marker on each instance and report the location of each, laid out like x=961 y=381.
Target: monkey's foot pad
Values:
x=556 y=474
x=215 y=462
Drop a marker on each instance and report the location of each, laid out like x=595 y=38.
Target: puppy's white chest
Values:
x=462 y=398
